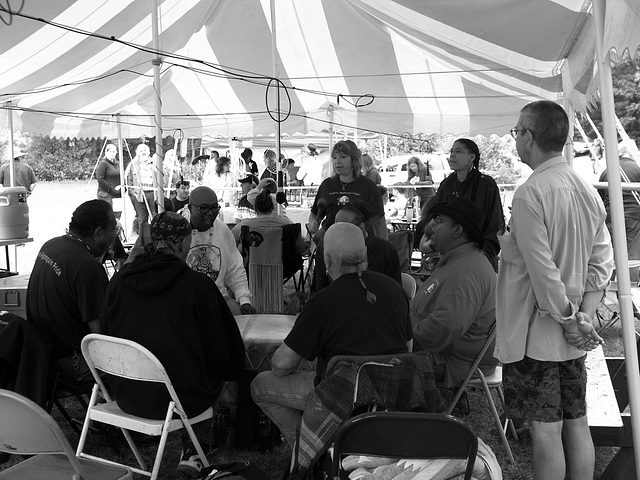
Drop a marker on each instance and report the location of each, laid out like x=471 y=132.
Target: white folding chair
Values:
x=409 y=285
x=27 y=429
x=128 y=359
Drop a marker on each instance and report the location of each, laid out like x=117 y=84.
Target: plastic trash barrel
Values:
x=14 y=213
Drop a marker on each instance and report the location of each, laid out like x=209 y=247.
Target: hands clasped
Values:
x=581 y=334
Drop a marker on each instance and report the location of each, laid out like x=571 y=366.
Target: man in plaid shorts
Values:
x=555 y=264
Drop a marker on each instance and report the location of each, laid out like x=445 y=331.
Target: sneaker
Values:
x=190 y=464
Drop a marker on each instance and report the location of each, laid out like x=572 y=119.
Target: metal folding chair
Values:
x=26 y=429
x=475 y=378
x=405 y=435
x=128 y=359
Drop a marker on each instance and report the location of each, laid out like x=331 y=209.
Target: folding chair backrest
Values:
x=405 y=435
x=409 y=285
x=126 y=359
x=266 y=269
x=123 y=358
x=291 y=258
x=403 y=242
x=26 y=429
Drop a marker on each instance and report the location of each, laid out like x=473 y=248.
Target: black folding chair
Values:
x=405 y=435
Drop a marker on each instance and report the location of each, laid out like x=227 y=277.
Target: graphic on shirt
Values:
x=431 y=287
x=205 y=259
x=344 y=200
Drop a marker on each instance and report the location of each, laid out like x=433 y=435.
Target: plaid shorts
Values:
x=545 y=391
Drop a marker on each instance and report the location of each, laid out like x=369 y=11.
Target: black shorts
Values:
x=545 y=391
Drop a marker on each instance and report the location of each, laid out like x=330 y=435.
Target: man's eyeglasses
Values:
x=514 y=132
x=208 y=208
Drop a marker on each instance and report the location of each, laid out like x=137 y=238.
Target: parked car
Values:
x=394 y=169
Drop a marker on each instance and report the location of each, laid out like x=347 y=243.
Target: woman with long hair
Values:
x=468 y=182
x=346 y=186
x=223 y=181
x=369 y=170
x=418 y=174
x=108 y=175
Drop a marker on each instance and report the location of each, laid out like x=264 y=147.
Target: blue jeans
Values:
x=283 y=399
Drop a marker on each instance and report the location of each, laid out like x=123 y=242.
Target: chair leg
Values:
x=163 y=442
x=508 y=421
x=496 y=417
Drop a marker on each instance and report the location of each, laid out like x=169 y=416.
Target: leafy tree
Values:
x=626 y=95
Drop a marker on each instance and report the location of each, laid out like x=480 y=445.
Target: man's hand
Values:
x=247 y=309
x=581 y=334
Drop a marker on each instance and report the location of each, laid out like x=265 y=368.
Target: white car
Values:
x=394 y=170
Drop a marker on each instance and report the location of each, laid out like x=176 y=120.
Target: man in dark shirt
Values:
x=360 y=313
x=67 y=285
x=182 y=195
x=382 y=256
x=630 y=172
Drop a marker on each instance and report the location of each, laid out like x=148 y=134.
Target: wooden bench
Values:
x=609 y=423
x=602 y=404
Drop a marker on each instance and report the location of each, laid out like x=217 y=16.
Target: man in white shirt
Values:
x=555 y=264
x=213 y=250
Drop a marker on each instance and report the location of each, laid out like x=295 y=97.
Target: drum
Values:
x=262 y=335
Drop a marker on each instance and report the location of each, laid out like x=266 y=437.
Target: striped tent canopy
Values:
x=230 y=68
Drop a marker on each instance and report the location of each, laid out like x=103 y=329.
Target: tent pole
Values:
x=9 y=106
x=568 y=146
x=593 y=126
x=274 y=53
x=617 y=220
x=630 y=144
x=156 y=62
x=122 y=179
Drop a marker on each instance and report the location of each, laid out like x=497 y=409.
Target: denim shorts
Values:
x=545 y=391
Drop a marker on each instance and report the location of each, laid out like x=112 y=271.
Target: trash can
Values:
x=14 y=213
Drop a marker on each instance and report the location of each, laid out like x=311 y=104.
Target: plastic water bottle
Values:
x=408 y=214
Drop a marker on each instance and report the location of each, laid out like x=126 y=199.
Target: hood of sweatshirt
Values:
x=152 y=274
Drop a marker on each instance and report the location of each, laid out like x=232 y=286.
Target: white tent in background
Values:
x=391 y=66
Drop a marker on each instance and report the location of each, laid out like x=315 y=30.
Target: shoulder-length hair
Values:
x=349 y=148
x=220 y=163
x=421 y=167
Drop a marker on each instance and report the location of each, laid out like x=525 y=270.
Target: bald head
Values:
x=203 y=208
x=344 y=249
x=352 y=215
x=202 y=195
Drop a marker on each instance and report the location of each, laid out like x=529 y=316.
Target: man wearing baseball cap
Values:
x=23 y=173
x=453 y=311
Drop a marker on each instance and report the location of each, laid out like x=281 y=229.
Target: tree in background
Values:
x=497 y=157
x=626 y=96
x=63 y=158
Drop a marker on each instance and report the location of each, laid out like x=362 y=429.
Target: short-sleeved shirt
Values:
x=340 y=321
x=333 y=195
x=23 y=175
x=66 y=290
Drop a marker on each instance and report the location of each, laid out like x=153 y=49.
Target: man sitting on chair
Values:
x=181 y=317
x=360 y=313
x=382 y=256
x=213 y=250
x=454 y=309
x=67 y=285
